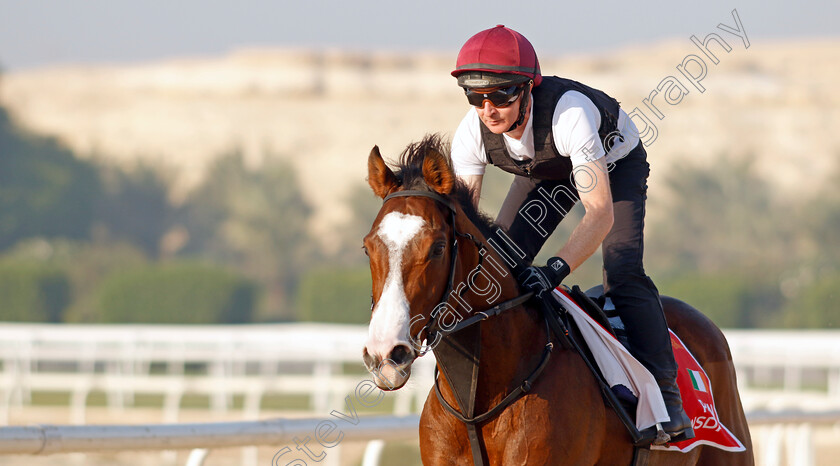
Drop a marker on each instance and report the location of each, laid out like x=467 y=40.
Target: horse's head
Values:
x=409 y=246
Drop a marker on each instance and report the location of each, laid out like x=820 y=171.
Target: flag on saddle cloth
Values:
x=621 y=368
x=699 y=404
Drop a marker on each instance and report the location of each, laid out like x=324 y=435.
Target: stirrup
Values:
x=687 y=434
x=662 y=437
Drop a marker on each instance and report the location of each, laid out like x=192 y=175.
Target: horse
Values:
x=436 y=279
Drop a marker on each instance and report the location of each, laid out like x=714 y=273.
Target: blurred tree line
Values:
x=744 y=253
x=87 y=242
x=722 y=239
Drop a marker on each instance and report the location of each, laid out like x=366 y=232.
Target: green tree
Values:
x=44 y=189
x=255 y=220
x=717 y=218
x=822 y=221
x=135 y=207
x=336 y=295
x=732 y=299
x=364 y=206
x=812 y=281
x=32 y=292
x=176 y=293
x=720 y=244
x=816 y=306
x=86 y=265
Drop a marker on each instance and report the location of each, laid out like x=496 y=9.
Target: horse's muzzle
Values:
x=392 y=372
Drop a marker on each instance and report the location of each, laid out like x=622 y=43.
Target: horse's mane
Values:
x=409 y=171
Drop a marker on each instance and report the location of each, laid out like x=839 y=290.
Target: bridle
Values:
x=434 y=331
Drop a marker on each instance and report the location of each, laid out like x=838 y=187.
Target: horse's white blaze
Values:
x=389 y=325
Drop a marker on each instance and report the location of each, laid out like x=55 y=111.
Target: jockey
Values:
x=565 y=141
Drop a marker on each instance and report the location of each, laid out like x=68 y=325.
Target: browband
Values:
x=429 y=194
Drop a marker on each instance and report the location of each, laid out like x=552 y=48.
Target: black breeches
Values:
x=533 y=209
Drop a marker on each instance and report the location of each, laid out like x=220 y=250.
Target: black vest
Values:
x=548 y=164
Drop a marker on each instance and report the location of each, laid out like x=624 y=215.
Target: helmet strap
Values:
x=523 y=106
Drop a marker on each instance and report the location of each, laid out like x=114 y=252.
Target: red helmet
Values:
x=497 y=56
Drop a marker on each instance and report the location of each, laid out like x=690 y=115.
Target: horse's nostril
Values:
x=401 y=354
x=369 y=360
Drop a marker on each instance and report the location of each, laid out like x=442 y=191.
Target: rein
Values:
x=429 y=328
x=434 y=332
x=433 y=326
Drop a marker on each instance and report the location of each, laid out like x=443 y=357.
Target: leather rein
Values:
x=433 y=327
x=435 y=331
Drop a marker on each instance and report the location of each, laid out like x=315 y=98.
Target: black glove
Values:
x=547 y=277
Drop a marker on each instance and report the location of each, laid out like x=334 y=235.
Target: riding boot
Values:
x=678 y=426
x=650 y=343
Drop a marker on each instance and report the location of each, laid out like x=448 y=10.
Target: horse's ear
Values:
x=437 y=172
x=380 y=178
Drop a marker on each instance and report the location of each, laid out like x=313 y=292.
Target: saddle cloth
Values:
x=619 y=367
x=699 y=404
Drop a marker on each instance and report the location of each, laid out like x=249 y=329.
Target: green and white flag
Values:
x=697 y=380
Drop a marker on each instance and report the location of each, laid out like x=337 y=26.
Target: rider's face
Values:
x=499 y=119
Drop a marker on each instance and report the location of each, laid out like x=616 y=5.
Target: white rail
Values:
x=322 y=362
x=785 y=431
x=787 y=369
x=49 y=439
x=779 y=370
x=787 y=437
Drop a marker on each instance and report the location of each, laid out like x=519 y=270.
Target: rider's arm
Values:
x=474 y=183
x=576 y=122
x=468 y=157
x=596 y=198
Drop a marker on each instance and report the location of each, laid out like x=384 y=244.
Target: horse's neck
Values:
x=508 y=339
x=511 y=346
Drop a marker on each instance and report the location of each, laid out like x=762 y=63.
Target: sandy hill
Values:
x=324 y=109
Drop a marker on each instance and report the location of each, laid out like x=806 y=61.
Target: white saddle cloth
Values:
x=618 y=366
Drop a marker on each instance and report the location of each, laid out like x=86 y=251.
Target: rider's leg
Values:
x=635 y=297
x=529 y=217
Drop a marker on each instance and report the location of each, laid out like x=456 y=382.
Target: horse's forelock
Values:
x=410 y=168
x=410 y=173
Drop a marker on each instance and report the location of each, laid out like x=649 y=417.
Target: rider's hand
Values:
x=547 y=277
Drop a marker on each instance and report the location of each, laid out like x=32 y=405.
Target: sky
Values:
x=38 y=33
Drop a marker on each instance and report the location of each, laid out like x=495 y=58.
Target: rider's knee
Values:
x=617 y=278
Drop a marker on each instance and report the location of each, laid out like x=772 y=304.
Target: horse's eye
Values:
x=364 y=249
x=438 y=249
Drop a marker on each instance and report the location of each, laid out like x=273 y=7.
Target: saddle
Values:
x=693 y=382
x=601 y=309
x=618 y=396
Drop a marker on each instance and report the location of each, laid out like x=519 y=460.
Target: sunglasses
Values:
x=500 y=98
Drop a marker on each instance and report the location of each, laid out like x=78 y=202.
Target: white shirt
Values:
x=574 y=126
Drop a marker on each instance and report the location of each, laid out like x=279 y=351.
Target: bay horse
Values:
x=433 y=272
